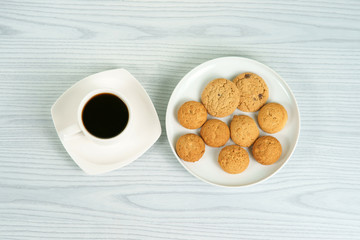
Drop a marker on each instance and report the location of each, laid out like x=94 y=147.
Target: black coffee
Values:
x=105 y=115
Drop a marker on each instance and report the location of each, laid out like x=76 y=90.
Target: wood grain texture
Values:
x=47 y=46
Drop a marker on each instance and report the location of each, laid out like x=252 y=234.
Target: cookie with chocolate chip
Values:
x=253 y=91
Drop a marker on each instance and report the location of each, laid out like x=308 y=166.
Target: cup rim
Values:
x=86 y=99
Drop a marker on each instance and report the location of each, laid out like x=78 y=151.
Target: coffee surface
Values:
x=105 y=115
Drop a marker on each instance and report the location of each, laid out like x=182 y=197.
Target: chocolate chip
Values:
x=247 y=75
x=260 y=96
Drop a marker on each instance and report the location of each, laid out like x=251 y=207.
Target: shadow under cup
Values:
x=105 y=115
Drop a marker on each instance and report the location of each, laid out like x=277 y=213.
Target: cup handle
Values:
x=70 y=132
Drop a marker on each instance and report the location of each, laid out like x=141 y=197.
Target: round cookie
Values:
x=233 y=159
x=253 y=91
x=243 y=130
x=190 y=147
x=266 y=150
x=272 y=117
x=192 y=115
x=220 y=97
x=215 y=133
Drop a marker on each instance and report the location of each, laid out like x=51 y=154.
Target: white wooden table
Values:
x=46 y=46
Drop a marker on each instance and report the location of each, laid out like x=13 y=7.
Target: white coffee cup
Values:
x=79 y=129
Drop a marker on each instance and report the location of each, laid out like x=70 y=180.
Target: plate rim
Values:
x=202 y=65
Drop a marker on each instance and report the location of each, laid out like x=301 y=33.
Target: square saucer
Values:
x=142 y=131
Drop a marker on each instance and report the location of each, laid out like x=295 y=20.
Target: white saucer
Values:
x=141 y=132
x=190 y=88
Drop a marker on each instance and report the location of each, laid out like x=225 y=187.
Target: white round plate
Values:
x=190 y=88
